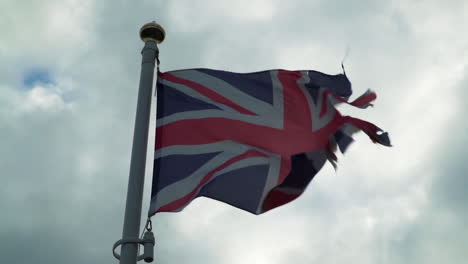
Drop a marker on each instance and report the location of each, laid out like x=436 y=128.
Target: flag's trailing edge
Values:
x=252 y=140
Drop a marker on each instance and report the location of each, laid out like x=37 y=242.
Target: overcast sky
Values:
x=69 y=74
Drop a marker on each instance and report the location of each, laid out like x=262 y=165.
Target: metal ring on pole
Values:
x=147 y=242
x=121 y=242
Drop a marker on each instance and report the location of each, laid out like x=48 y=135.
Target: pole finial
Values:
x=152 y=31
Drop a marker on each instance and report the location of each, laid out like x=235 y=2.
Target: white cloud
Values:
x=41 y=98
x=193 y=16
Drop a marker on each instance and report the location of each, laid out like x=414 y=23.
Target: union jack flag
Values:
x=252 y=140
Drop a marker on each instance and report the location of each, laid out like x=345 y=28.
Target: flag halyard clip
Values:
x=147 y=241
x=149 y=225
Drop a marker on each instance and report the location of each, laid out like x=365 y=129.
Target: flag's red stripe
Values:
x=277 y=198
x=360 y=101
x=175 y=205
x=364 y=99
x=297 y=115
x=206 y=92
x=284 y=169
x=209 y=130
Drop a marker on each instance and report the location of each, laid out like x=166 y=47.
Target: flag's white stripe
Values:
x=229 y=145
x=177 y=190
x=345 y=141
x=193 y=93
x=272 y=179
x=317 y=121
x=226 y=145
x=335 y=101
x=273 y=120
x=349 y=129
x=226 y=90
x=278 y=100
x=247 y=162
x=181 y=188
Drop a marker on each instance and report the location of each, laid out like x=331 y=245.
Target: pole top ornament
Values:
x=152 y=31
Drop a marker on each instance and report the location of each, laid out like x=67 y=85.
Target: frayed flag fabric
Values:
x=251 y=140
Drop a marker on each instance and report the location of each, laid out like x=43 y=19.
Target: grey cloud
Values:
x=66 y=171
x=450 y=186
x=439 y=233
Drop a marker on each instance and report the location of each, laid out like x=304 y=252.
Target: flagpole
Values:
x=152 y=34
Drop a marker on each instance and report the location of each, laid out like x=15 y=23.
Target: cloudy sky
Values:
x=69 y=73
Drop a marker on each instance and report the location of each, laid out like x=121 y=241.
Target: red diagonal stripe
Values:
x=175 y=205
x=206 y=92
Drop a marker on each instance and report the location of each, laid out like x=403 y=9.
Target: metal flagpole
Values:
x=152 y=34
